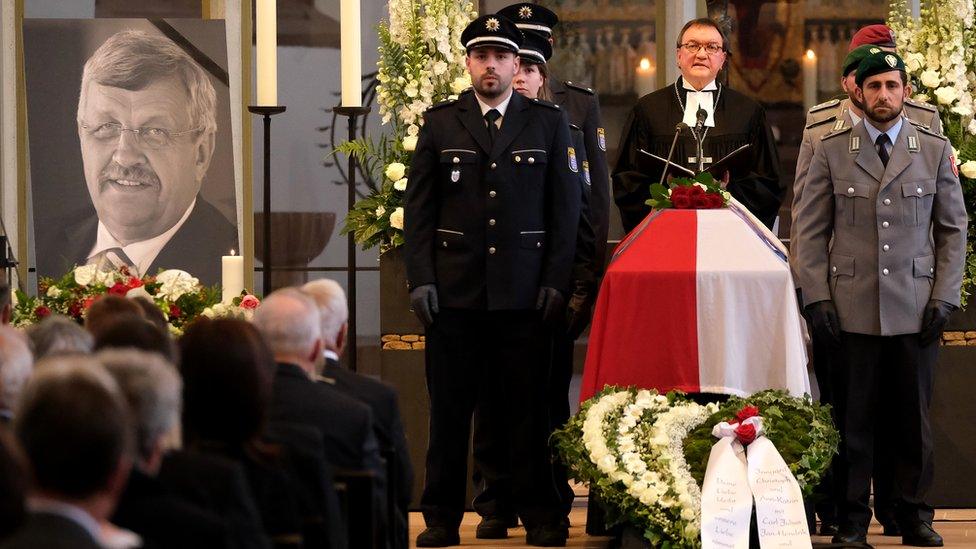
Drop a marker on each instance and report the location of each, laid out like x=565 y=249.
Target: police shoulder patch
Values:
x=835 y=133
x=572 y=160
x=822 y=121
x=579 y=88
x=825 y=105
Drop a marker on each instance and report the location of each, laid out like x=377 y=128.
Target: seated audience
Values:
x=380 y=397
x=227 y=392
x=152 y=389
x=106 y=309
x=152 y=313
x=57 y=335
x=133 y=331
x=74 y=428
x=16 y=365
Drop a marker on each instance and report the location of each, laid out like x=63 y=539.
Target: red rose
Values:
x=745 y=433
x=86 y=303
x=75 y=309
x=715 y=201
x=119 y=289
x=695 y=191
x=42 y=312
x=250 y=302
x=174 y=311
x=702 y=202
x=681 y=202
x=746 y=413
x=133 y=282
x=679 y=191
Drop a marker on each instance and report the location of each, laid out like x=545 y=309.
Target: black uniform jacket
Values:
x=583 y=108
x=491 y=225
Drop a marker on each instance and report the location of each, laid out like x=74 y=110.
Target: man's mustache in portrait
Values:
x=134 y=176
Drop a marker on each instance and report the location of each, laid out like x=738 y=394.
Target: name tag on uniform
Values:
x=455 y=175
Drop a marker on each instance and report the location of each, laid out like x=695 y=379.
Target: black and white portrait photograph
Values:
x=131 y=158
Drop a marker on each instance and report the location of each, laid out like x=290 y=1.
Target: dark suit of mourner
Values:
x=388 y=427
x=880 y=241
x=488 y=225
x=195 y=248
x=50 y=531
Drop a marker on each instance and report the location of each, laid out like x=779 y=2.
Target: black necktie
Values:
x=882 y=142
x=492 y=116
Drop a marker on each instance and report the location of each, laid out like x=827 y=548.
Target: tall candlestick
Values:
x=350 y=52
x=266 y=22
x=644 y=77
x=809 y=79
x=232 y=276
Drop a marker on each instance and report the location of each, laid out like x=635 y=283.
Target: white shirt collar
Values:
x=330 y=354
x=76 y=514
x=708 y=87
x=696 y=99
x=501 y=106
x=142 y=253
x=855 y=119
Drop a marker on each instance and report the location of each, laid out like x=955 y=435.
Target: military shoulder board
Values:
x=816 y=123
x=928 y=130
x=921 y=105
x=579 y=88
x=441 y=104
x=825 y=105
x=544 y=103
x=833 y=133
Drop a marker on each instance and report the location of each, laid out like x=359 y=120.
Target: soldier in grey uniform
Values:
x=881 y=235
x=835 y=115
x=491 y=216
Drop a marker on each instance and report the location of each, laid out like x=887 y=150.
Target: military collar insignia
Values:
x=525 y=12
x=492 y=24
x=839 y=124
x=913 y=143
x=855 y=143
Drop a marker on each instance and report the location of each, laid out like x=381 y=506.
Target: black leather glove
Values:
x=823 y=317
x=579 y=308
x=934 y=320
x=423 y=301
x=550 y=302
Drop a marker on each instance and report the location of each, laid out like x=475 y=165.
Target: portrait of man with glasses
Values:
x=147 y=128
x=731 y=121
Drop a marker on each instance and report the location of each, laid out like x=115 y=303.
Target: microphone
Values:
x=701 y=115
x=677 y=131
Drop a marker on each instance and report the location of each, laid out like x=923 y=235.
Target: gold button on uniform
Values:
x=518 y=158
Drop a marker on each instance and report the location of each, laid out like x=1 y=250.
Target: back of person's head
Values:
x=74 y=428
x=227 y=373
x=289 y=321
x=132 y=331
x=153 y=389
x=13 y=485
x=106 y=308
x=58 y=335
x=152 y=313
x=333 y=310
x=16 y=365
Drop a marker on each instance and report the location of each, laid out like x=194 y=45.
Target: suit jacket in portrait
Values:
x=880 y=241
x=195 y=248
x=50 y=531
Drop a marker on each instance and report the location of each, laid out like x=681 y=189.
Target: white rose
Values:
x=962 y=110
x=461 y=83
x=440 y=67
x=395 y=171
x=410 y=143
x=930 y=79
x=687 y=513
x=972 y=127
x=946 y=95
x=53 y=291
x=174 y=283
x=208 y=312
x=914 y=61
x=401 y=185
x=85 y=274
x=968 y=169
x=607 y=463
x=396 y=219
x=921 y=97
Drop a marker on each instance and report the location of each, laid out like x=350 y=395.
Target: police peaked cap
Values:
x=854 y=58
x=877 y=63
x=535 y=48
x=495 y=31
x=531 y=17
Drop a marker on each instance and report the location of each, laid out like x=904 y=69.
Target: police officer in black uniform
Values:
x=491 y=216
x=491 y=476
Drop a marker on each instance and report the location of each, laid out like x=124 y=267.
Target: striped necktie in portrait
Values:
x=112 y=259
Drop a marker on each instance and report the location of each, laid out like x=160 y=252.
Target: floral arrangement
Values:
x=647 y=452
x=941 y=61
x=179 y=296
x=421 y=62
x=701 y=192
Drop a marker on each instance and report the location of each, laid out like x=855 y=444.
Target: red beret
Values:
x=874 y=35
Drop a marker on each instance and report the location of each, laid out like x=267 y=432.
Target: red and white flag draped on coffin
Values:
x=700 y=301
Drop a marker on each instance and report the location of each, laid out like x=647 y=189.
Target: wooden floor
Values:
x=957 y=526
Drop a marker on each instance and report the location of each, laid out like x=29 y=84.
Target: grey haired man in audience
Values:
x=16 y=365
x=56 y=335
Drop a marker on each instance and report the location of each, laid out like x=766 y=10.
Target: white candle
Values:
x=266 y=22
x=350 y=51
x=809 y=79
x=232 y=276
x=644 y=77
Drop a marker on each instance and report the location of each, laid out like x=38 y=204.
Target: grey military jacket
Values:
x=831 y=116
x=880 y=242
